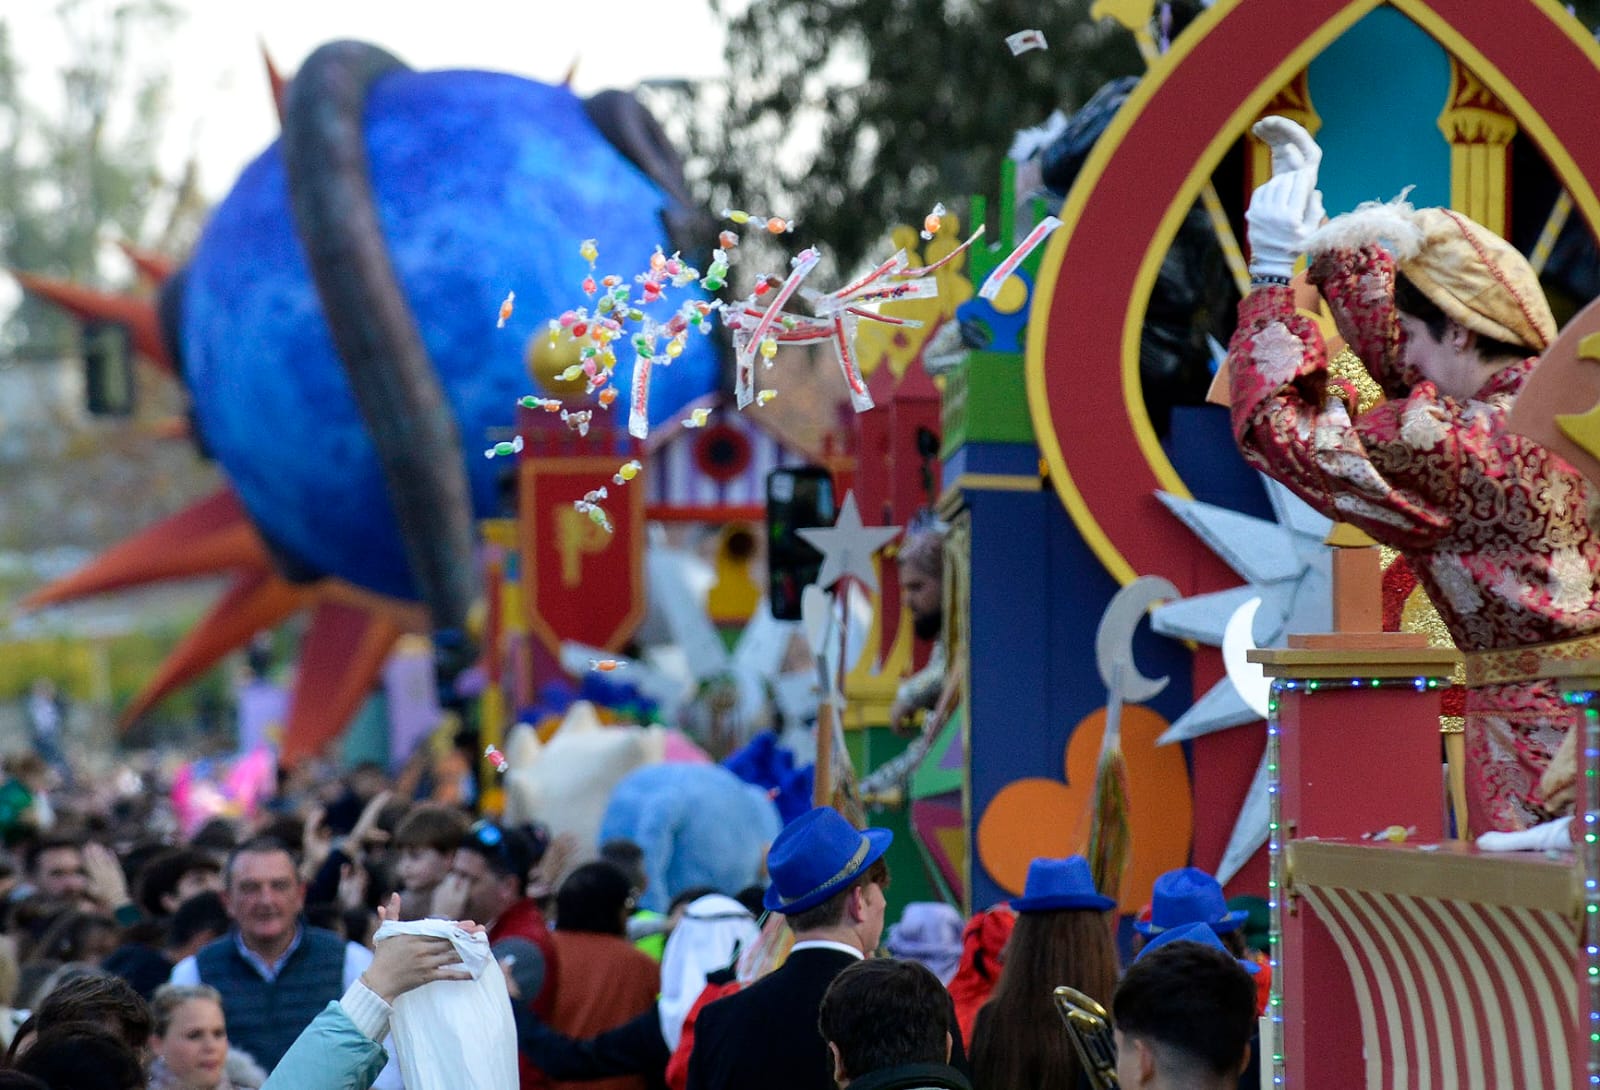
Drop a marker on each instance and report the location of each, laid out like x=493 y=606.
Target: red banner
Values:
x=579 y=582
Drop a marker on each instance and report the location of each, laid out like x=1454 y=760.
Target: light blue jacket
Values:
x=330 y=1054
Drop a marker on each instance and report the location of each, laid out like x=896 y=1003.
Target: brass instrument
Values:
x=1089 y=1027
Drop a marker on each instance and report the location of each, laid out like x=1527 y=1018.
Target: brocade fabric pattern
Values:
x=1497 y=528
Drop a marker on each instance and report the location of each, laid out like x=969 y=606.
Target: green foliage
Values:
x=856 y=115
x=81 y=168
x=852 y=116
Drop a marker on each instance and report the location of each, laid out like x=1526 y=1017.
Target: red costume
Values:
x=1496 y=527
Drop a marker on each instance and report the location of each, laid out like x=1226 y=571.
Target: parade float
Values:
x=1403 y=957
x=1073 y=507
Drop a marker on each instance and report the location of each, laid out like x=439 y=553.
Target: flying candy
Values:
x=1024 y=40
x=930 y=224
x=764 y=396
x=728 y=239
x=1041 y=231
x=627 y=472
x=496 y=758
x=594 y=495
x=606 y=665
x=607 y=396
x=505 y=449
x=577 y=421
x=776 y=226
x=548 y=404
x=505 y=309
x=697 y=418
x=589 y=251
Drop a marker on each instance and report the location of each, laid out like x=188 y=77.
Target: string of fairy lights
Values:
x=1277 y=862
x=1590 y=850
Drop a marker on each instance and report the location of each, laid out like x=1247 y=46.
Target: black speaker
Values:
x=798 y=498
x=108 y=369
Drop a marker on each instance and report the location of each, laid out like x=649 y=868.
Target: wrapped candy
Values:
x=577 y=421
x=697 y=418
x=605 y=666
x=505 y=309
x=1024 y=40
x=764 y=396
x=932 y=221
x=1040 y=232
x=495 y=758
x=505 y=449
x=626 y=472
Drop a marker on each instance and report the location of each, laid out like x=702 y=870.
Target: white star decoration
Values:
x=848 y=547
x=1288 y=568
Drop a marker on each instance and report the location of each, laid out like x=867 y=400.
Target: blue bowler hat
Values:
x=1057 y=884
x=1189 y=895
x=1200 y=933
x=818 y=854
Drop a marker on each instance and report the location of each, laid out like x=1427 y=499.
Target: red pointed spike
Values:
x=207 y=538
x=256 y=601
x=139 y=315
x=154 y=267
x=341 y=656
x=275 y=79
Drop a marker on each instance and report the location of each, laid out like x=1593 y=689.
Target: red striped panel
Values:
x=1456 y=994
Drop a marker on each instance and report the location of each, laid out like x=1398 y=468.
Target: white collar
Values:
x=827 y=944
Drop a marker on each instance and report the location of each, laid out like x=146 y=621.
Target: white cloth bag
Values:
x=455 y=1034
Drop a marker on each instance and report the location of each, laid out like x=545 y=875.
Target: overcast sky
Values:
x=221 y=103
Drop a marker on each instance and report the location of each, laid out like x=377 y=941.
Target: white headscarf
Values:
x=712 y=932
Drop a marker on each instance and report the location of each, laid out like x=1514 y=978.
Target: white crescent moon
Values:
x=1248 y=678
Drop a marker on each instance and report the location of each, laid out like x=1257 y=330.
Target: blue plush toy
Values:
x=699 y=825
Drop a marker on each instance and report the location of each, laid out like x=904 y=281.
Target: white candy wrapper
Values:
x=1040 y=232
x=844 y=346
x=639 y=398
x=1024 y=40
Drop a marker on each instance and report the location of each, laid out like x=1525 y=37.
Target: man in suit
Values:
x=828 y=879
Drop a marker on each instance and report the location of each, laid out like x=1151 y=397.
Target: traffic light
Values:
x=108 y=368
x=798 y=498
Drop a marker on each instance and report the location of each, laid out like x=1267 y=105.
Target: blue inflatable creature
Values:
x=336 y=326
x=699 y=825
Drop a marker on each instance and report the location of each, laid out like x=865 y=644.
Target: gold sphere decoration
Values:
x=546 y=360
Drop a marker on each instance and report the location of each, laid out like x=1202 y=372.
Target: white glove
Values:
x=1552 y=835
x=1292 y=146
x=1283 y=213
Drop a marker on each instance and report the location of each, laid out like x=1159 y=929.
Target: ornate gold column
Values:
x=1479 y=128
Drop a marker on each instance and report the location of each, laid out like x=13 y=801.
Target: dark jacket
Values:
x=924 y=1076
x=766 y=1035
x=634 y=1048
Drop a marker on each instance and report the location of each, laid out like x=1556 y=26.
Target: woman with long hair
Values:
x=1062 y=936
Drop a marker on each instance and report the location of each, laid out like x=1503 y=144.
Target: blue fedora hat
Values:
x=818 y=854
x=1189 y=895
x=1058 y=884
x=1200 y=933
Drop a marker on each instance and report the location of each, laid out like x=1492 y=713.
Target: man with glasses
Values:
x=488 y=882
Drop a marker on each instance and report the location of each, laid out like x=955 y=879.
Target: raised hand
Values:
x=1283 y=213
x=1292 y=146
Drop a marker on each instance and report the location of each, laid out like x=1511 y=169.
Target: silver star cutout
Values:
x=848 y=547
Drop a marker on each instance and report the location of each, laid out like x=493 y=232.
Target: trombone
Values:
x=1089 y=1027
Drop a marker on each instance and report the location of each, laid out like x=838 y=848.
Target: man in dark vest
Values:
x=275 y=973
x=828 y=879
